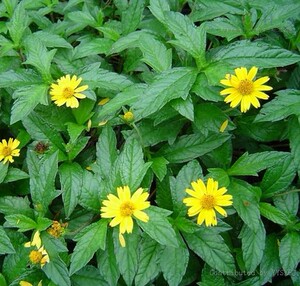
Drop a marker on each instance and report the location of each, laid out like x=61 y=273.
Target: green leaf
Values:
x=173 y=263
x=153 y=133
x=148 y=266
x=270 y=263
x=18 y=24
x=205 y=90
x=272 y=213
x=189 y=173
x=278 y=178
x=132 y=16
x=106 y=151
x=2 y=280
x=206 y=10
x=107 y=262
x=210 y=116
x=74 y=148
x=211 y=247
x=158 y=227
x=168 y=85
x=26 y=99
x=189 y=147
x=3 y=171
x=245 y=202
x=286 y=103
x=294 y=139
x=188 y=37
x=127 y=257
x=10 y=205
x=158 y=9
x=253 y=245
x=159 y=167
x=131 y=164
x=96 y=77
x=184 y=106
x=42 y=130
x=89 y=275
x=71 y=183
x=5 y=245
x=155 y=54
x=15 y=174
x=228 y=28
x=74 y=130
x=252 y=164
x=289 y=252
x=127 y=97
x=14 y=265
x=49 y=39
x=22 y=222
x=91 y=46
x=38 y=56
x=82 y=17
x=246 y=53
x=94 y=237
x=273 y=16
x=15 y=79
x=288 y=203
x=261 y=131
x=42 y=223
x=57 y=271
x=84 y=112
x=211 y=277
x=42 y=177
x=91 y=192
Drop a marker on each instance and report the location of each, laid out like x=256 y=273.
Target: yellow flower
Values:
x=57 y=229
x=243 y=90
x=39 y=255
x=128 y=116
x=205 y=200
x=67 y=91
x=9 y=149
x=122 y=207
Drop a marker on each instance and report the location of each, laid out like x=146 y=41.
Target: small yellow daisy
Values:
x=67 y=91
x=38 y=255
x=243 y=90
x=205 y=200
x=122 y=207
x=9 y=149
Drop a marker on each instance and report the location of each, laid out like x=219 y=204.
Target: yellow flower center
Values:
x=208 y=202
x=127 y=209
x=6 y=151
x=68 y=92
x=128 y=116
x=245 y=87
x=35 y=256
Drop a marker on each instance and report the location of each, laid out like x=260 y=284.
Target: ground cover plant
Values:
x=149 y=142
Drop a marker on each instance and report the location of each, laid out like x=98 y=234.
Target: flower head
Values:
x=38 y=255
x=243 y=90
x=205 y=200
x=128 y=116
x=67 y=91
x=9 y=149
x=57 y=229
x=122 y=207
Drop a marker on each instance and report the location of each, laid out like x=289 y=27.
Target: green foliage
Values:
x=152 y=119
